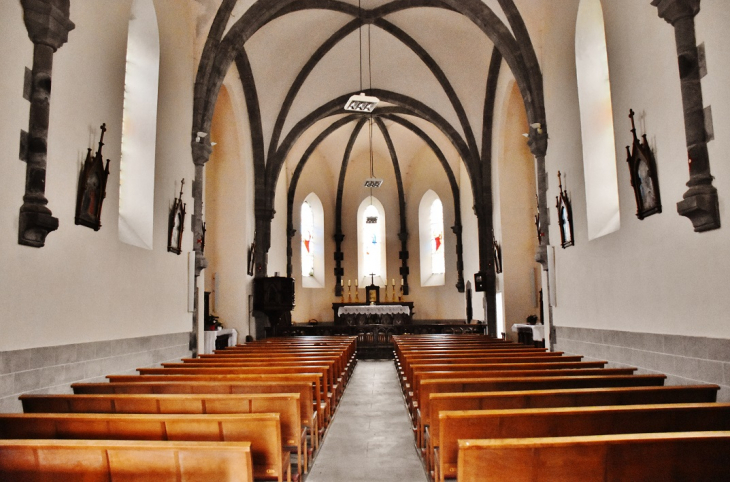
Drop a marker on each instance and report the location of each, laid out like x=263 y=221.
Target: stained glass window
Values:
x=436 y=218
x=372 y=242
x=308 y=240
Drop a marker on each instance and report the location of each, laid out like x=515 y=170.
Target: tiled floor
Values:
x=370 y=439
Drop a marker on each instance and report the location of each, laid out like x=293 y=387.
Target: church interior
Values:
x=484 y=165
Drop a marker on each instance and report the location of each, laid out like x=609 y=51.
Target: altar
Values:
x=359 y=314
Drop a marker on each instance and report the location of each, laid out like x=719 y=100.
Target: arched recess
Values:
x=139 y=127
x=371 y=239
x=596 y=121
x=514 y=206
x=431 y=239
x=311 y=233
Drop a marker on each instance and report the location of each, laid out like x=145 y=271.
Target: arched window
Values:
x=371 y=240
x=308 y=240
x=311 y=229
x=436 y=218
x=431 y=236
x=596 y=121
x=139 y=127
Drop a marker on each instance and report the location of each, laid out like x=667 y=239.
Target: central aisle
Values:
x=370 y=439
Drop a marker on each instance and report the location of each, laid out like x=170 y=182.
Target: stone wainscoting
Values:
x=52 y=369
x=684 y=359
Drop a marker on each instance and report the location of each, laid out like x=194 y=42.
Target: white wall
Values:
x=655 y=275
x=85 y=285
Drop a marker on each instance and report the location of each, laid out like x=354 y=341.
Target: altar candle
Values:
x=342 y=282
x=392 y=281
x=401 y=281
x=348 y=283
x=355 y=283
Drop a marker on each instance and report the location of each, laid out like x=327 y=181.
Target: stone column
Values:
x=339 y=257
x=403 y=254
x=458 y=231
x=264 y=216
x=699 y=203
x=201 y=150
x=537 y=142
x=48 y=25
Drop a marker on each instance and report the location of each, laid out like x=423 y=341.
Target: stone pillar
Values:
x=201 y=150
x=699 y=203
x=264 y=216
x=339 y=257
x=537 y=142
x=403 y=254
x=48 y=25
x=458 y=230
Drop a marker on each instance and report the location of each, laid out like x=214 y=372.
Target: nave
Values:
x=476 y=408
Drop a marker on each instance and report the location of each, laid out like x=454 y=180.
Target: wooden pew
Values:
x=304 y=389
x=419 y=376
x=677 y=456
x=517 y=384
x=326 y=382
x=287 y=405
x=521 y=365
x=262 y=430
x=321 y=404
x=105 y=460
x=582 y=397
x=570 y=422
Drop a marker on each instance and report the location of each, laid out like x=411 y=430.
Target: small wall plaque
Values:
x=92 y=187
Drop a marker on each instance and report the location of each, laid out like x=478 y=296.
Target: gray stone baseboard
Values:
x=52 y=369
x=685 y=360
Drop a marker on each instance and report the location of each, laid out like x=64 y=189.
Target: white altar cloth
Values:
x=538 y=331
x=374 y=310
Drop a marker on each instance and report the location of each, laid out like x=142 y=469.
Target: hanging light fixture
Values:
x=361 y=102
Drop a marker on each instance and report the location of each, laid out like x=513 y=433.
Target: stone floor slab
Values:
x=370 y=439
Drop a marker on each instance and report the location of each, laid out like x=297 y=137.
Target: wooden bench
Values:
x=327 y=384
x=304 y=389
x=517 y=384
x=262 y=430
x=105 y=460
x=569 y=422
x=582 y=397
x=677 y=456
x=322 y=404
x=419 y=376
x=520 y=365
x=287 y=405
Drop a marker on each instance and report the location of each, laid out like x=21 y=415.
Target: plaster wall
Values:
x=87 y=286
x=657 y=275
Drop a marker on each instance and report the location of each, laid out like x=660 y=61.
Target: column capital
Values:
x=673 y=10
x=538 y=141
x=201 y=151
x=47 y=21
